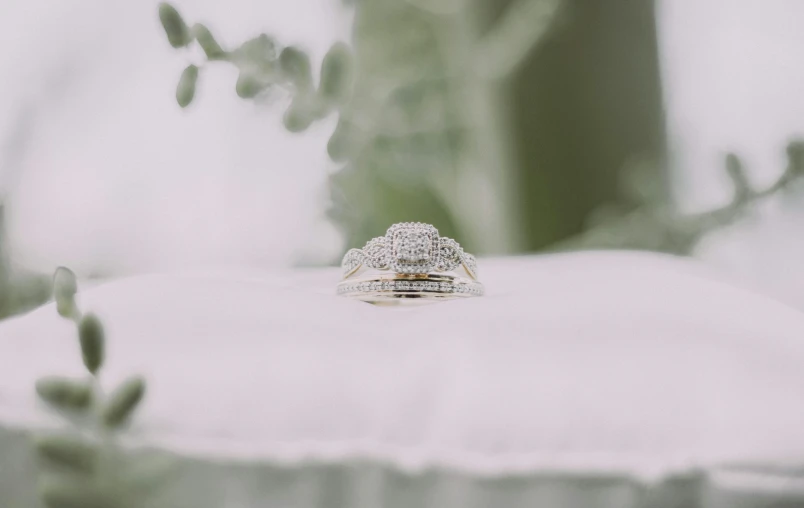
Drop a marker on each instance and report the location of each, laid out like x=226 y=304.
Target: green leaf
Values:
x=64 y=283
x=248 y=85
x=336 y=74
x=65 y=288
x=176 y=29
x=341 y=142
x=67 y=308
x=207 y=41
x=124 y=401
x=68 y=492
x=65 y=393
x=295 y=64
x=185 y=91
x=259 y=51
x=298 y=116
x=91 y=336
x=69 y=451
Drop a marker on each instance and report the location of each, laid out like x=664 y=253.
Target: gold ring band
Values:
x=380 y=288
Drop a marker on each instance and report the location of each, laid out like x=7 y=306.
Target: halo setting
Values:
x=418 y=256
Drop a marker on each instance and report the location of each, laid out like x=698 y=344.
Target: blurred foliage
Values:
x=585 y=108
x=402 y=134
x=263 y=67
x=504 y=123
x=20 y=290
x=542 y=102
x=512 y=125
x=657 y=225
x=420 y=122
x=413 y=124
x=86 y=466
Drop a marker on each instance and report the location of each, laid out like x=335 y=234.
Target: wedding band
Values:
x=420 y=259
x=423 y=287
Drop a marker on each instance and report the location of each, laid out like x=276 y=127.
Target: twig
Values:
x=87 y=467
x=746 y=197
x=663 y=229
x=520 y=29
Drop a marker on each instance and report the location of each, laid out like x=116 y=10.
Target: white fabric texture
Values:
x=626 y=364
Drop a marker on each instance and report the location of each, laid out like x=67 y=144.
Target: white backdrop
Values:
x=733 y=79
x=111 y=175
x=91 y=82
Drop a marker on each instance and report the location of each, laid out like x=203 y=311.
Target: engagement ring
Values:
x=423 y=263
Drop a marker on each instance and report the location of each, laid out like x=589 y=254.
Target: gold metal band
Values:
x=396 y=288
x=361 y=269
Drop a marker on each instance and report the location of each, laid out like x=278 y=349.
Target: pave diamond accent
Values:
x=411 y=287
x=449 y=255
x=470 y=264
x=351 y=261
x=376 y=253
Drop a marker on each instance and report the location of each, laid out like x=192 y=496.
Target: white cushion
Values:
x=633 y=366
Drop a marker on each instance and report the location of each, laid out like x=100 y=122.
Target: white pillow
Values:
x=620 y=367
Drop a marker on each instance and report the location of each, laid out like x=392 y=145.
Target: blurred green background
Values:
x=515 y=126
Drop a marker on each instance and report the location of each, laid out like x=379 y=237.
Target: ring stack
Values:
x=423 y=264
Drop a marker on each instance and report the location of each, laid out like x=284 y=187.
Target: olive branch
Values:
x=85 y=467
x=263 y=66
x=658 y=225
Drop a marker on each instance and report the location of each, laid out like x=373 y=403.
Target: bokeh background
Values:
x=563 y=125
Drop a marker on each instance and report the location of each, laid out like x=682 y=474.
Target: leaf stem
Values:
x=521 y=28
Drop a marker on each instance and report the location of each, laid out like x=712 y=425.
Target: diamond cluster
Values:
x=466 y=288
x=410 y=248
x=413 y=247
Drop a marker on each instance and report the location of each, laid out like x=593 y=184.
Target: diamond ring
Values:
x=419 y=257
